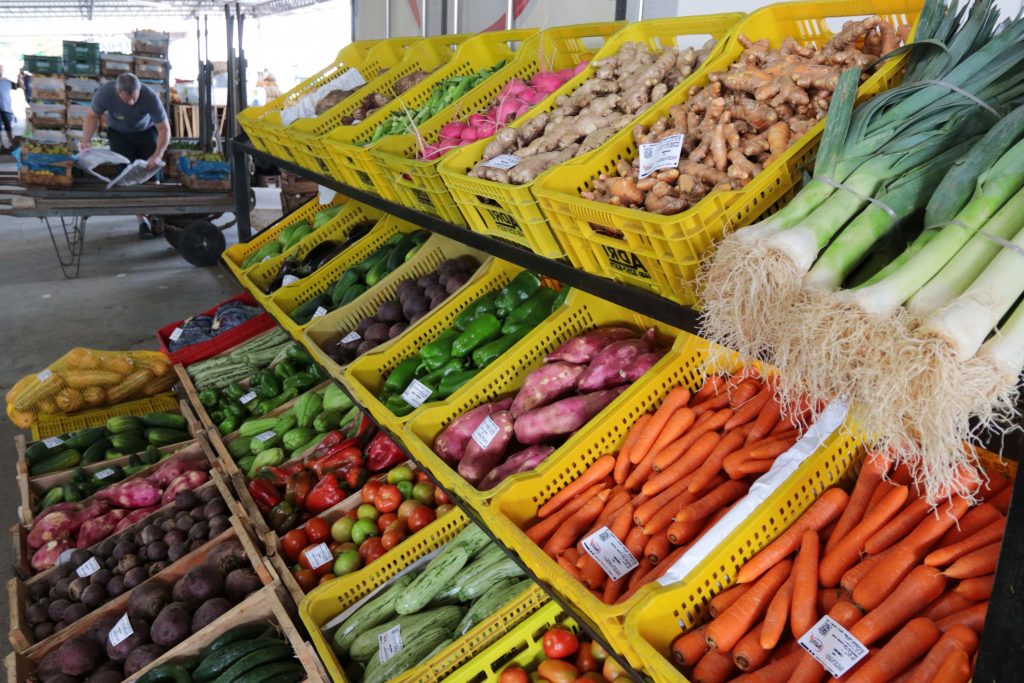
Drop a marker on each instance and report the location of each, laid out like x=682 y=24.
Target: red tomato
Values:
x=385 y=520
x=369 y=545
x=612 y=670
x=369 y=491
x=419 y=518
x=407 y=507
x=443 y=509
x=398 y=525
x=592 y=676
x=440 y=497
x=585 y=660
x=306 y=579
x=557 y=671
x=292 y=544
x=325 y=578
x=387 y=498
x=392 y=538
x=304 y=560
x=318 y=530
x=514 y=674
x=560 y=643
x=353 y=514
x=421 y=476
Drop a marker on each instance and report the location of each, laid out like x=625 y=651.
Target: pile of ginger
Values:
x=744 y=117
x=624 y=85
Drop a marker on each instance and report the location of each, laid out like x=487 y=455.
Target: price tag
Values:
x=662 y=154
x=326 y=195
x=319 y=312
x=122 y=629
x=485 y=433
x=265 y=436
x=88 y=568
x=502 y=161
x=833 y=646
x=288 y=279
x=44 y=375
x=350 y=337
x=417 y=393
x=319 y=555
x=64 y=557
x=246 y=398
x=390 y=643
x=266 y=258
x=103 y=474
x=53 y=442
x=609 y=552
x=176 y=334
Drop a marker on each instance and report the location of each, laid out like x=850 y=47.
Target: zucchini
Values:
x=375 y=611
x=128 y=442
x=247 y=632
x=124 y=423
x=166 y=673
x=415 y=651
x=63 y=460
x=434 y=577
x=473 y=539
x=447 y=618
x=222 y=659
x=281 y=672
x=260 y=658
x=481 y=579
x=82 y=439
x=167 y=420
x=490 y=602
x=162 y=436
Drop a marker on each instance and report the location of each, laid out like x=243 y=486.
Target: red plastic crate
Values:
x=222 y=342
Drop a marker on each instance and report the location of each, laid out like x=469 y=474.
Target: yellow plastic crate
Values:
x=517 y=505
x=55 y=425
x=417 y=182
x=349 y=147
x=582 y=312
x=260 y=276
x=325 y=602
x=318 y=334
x=365 y=376
x=510 y=212
x=662 y=253
x=660 y=619
x=236 y=254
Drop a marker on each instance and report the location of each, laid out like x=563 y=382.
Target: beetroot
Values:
x=477 y=461
x=184 y=482
x=545 y=384
x=132 y=494
x=563 y=417
x=584 y=348
x=523 y=461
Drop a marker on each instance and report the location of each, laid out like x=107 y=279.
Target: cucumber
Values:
x=367 y=264
x=379 y=270
x=166 y=673
x=222 y=659
x=260 y=658
x=63 y=460
x=415 y=651
x=375 y=611
x=247 y=632
x=366 y=644
x=163 y=436
x=40 y=451
x=82 y=439
x=490 y=602
x=481 y=579
x=351 y=294
x=434 y=577
x=96 y=451
x=128 y=442
x=167 y=420
x=124 y=423
x=281 y=672
x=397 y=255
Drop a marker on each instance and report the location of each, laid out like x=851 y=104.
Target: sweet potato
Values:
x=563 y=417
x=451 y=442
x=46 y=556
x=172 y=469
x=546 y=384
x=139 y=493
x=523 y=461
x=608 y=369
x=184 y=482
x=476 y=461
x=95 y=530
x=134 y=516
x=584 y=348
x=642 y=364
x=53 y=526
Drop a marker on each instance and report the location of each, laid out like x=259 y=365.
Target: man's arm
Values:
x=88 y=130
x=163 y=138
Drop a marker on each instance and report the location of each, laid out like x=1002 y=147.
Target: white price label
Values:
x=833 y=646
x=44 y=375
x=485 y=433
x=350 y=337
x=417 y=393
x=88 y=568
x=64 y=557
x=502 y=161
x=390 y=643
x=288 y=279
x=53 y=442
x=609 y=552
x=265 y=436
x=662 y=154
x=319 y=312
x=266 y=258
x=176 y=334
x=325 y=194
x=122 y=629
x=103 y=474
x=319 y=555
x=246 y=398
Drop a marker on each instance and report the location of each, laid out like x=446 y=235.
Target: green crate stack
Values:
x=81 y=58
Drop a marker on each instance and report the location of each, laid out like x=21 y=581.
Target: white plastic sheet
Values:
x=305 y=108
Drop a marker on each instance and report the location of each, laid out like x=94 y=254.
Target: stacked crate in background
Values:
x=82 y=78
x=295 y=191
x=149 y=53
x=48 y=108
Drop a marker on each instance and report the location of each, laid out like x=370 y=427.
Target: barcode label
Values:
x=485 y=433
x=390 y=643
x=53 y=442
x=350 y=337
x=44 y=375
x=245 y=399
x=88 y=568
x=319 y=312
x=288 y=279
x=319 y=555
x=833 y=646
x=103 y=474
x=417 y=393
x=265 y=436
x=502 y=161
x=609 y=552
x=662 y=154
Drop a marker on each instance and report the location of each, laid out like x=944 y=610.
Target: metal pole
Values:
x=640 y=11
x=510 y=15
x=387 y=18
x=232 y=65
x=423 y=18
x=456 y=16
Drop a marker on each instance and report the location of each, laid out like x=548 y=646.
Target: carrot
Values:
x=683 y=466
x=948 y=603
x=902 y=475
x=714 y=667
x=978 y=517
x=854 y=575
x=976 y=588
x=713 y=385
x=879 y=493
x=593 y=574
x=688 y=648
x=638 y=576
x=803 y=606
x=613 y=589
x=657 y=548
x=956 y=638
x=641 y=472
x=921 y=586
x=654 y=504
x=658 y=570
x=827 y=508
x=678 y=424
x=973 y=618
x=766 y=421
x=749 y=411
x=712 y=405
x=622 y=463
x=746 y=390
x=675 y=399
x=956 y=669
x=951 y=553
x=600 y=469
x=724 y=632
x=541 y=531
x=996 y=483
x=896 y=529
x=912 y=641
x=617 y=500
x=712 y=501
x=721 y=602
x=827 y=598
x=846 y=552
x=574 y=525
x=682 y=533
x=978 y=563
x=777 y=616
x=662 y=519
x=569 y=565
x=673 y=450
x=749 y=467
x=1001 y=501
x=769 y=447
x=776 y=672
x=712 y=465
x=870 y=476
x=748 y=653
x=806 y=669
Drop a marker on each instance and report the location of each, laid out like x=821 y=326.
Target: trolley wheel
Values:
x=200 y=242
x=171 y=233
x=252 y=199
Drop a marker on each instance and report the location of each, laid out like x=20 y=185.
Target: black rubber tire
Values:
x=201 y=243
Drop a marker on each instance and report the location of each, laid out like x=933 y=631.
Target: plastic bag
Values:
x=305 y=108
x=136 y=173
x=91 y=158
x=83 y=379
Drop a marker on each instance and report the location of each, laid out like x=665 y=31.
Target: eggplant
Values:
x=319 y=255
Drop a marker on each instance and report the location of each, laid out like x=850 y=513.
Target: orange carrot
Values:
x=641 y=472
x=973 y=618
x=912 y=641
x=657 y=571
x=854 y=575
x=776 y=672
x=593 y=574
x=870 y=476
x=956 y=638
x=681 y=533
x=613 y=589
x=777 y=616
x=846 y=552
x=828 y=597
x=683 y=466
x=657 y=548
x=688 y=648
x=673 y=450
x=749 y=467
x=978 y=563
x=647 y=510
x=956 y=669
x=765 y=422
x=806 y=669
x=712 y=405
x=662 y=519
x=921 y=586
x=574 y=525
x=712 y=465
x=713 y=385
x=1001 y=501
x=618 y=499
x=978 y=517
x=827 y=508
x=725 y=631
x=948 y=603
x=744 y=391
x=803 y=606
x=712 y=501
x=601 y=468
x=638 y=576
x=636 y=541
x=749 y=411
x=902 y=475
x=748 y=653
x=976 y=588
x=721 y=602
x=539 y=533
x=768 y=447
x=901 y=525
x=569 y=566
x=678 y=424
x=714 y=667
x=675 y=399
x=996 y=483
x=981 y=538
x=622 y=463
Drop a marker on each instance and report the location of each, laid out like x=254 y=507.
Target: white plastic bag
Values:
x=135 y=173
x=305 y=108
x=92 y=157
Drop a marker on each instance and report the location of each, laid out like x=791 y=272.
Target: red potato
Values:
x=563 y=417
x=545 y=384
x=138 y=493
x=477 y=461
x=609 y=368
x=96 y=529
x=584 y=348
x=56 y=525
x=451 y=443
x=185 y=482
x=523 y=461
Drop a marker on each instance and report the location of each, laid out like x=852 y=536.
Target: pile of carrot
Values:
x=909 y=581
x=679 y=470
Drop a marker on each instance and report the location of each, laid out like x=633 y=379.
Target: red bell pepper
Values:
x=366 y=429
x=333 y=438
x=339 y=457
x=292 y=467
x=299 y=485
x=326 y=494
x=264 y=493
x=382 y=453
x=275 y=475
x=356 y=477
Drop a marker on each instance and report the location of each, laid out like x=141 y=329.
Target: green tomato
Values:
x=406 y=488
x=347 y=562
x=363 y=529
x=423 y=492
x=341 y=530
x=400 y=473
x=367 y=511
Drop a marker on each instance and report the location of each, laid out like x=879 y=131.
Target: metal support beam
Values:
x=423 y=18
x=387 y=17
x=510 y=14
x=240 y=188
x=620 y=9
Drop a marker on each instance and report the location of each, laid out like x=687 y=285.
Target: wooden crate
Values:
x=292 y=201
x=293 y=183
x=192 y=397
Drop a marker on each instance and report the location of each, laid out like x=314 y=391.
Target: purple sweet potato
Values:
x=451 y=442
x=98 y=528
x=523 y=461
x=476 y=461
x=608 y=369
x=132 y=494
x=546 y=384
x=584 y=348
x=563 y=417
x=46 y=556
x=184 y=482
x=642 y=364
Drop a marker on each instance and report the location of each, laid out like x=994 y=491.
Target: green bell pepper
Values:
x=454 y=365
x=560 y=299
x=438 y=352
x=234 y=391
x=236 y=410
x=522 y=287
x=209 y=398
x=229 y=424
x=397 y=405
x=267 y=385
x=285 y=369
x=453 y=382
x=482 y=330
x=533 y=310
x=400 y=377
x=300 y=380
x=485 y=355
x=484 y=304
x=297 y=354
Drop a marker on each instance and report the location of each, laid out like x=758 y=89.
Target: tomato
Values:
x=398 y=525
x=442 y=509
x=306 y=563
x=424 y=492
x=369 y=491
x=440 y=497
x=560 y=643
x=407 y=507
x=612 y=670
x=557 y=671
x=347 y=545
x=514 y=674
x=419 y=518
x=385 y=520
x=325 y=578
x=318 y=530
x=367 y=511
x=341 y=530
x=292 y=544
x=347 y=562
x=421 y=476
x=392 y=538
x=388 y=498
x=405 y=487
x=364 y=529
x=592 y=676
x=598 y=652
x=353 y=514
x=585 y=661
x=371 y=549
x=400 y=473
x=306 y=579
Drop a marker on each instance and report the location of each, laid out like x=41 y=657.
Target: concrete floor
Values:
x=127 y=290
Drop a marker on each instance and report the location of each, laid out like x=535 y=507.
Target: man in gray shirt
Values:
x=136 y=125
x=6 y=110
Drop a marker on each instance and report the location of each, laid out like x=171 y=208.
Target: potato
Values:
x=378 y=332
x=200 y=584
x=141 y=657
x=95 y=595
x=74 y=612
x=79 y=655
x=186 y=500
